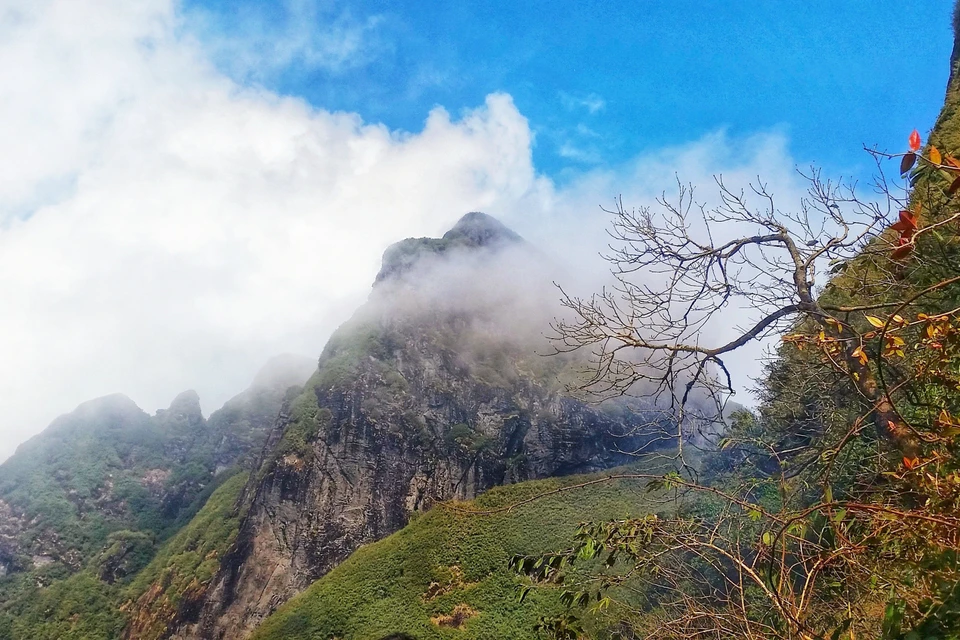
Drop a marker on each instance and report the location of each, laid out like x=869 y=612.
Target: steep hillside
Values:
x=100 y=489
x=84 y=607
x=176 y=580
x=434 y=390
x=446 y=575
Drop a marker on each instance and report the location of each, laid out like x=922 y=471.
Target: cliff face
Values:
x=433 y=391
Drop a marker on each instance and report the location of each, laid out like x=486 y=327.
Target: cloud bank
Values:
x=163 y=227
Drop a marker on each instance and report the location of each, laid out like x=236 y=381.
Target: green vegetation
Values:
x=186 y=564
x=446 y=574
x=81 y=607
x=50 y=604
x=832 y=511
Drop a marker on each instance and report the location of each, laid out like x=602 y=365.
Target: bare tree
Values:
x=868 y=290
x=684 y=268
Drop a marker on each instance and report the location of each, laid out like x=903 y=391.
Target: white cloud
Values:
x=163 y=228
x=570 y=151
x=591 y=102
x=262 y=39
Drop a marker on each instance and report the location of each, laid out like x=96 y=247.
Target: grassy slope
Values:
x=382 y=589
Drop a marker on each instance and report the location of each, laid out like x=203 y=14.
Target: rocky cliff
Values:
x=435 y=390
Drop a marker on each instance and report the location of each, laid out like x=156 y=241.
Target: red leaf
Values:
x=904 y=250
x=908 y=218
x=907 y=163
x=953 y=187
x=914 y=140
x=906 y=225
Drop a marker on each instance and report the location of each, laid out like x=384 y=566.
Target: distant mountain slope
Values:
x=84 y=607
x=102 y=486
x=434 y=390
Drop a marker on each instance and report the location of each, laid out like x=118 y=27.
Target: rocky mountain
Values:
x=436 y=389
x=106 y=483
x=118 y=524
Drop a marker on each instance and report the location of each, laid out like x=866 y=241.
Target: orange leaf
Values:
x=907 y=163
x=859 y=354
x=914 y=140
x=951 y=160
x=910 y=463
x=935 y=157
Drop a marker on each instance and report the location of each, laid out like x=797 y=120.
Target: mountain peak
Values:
x=474 y=230
x=186 y=403
x=481 y=230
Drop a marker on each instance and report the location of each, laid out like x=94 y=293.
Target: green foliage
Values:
x=461 y=437
x=81 y=607
x=127 y=553
x=193 y=553
x=51 y=604
x=449 y=566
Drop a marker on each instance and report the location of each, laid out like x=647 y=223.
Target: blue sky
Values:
x=601 y=82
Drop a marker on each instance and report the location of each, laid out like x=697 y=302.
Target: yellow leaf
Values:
x=877 y=322
x=935 y=155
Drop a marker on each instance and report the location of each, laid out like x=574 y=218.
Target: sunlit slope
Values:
x=446 y=575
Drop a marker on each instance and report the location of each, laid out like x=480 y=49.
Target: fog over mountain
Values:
x=163 y=227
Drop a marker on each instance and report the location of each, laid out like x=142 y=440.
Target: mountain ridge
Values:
x=427 y=394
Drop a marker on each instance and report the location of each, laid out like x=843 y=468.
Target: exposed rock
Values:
x=415 y=401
